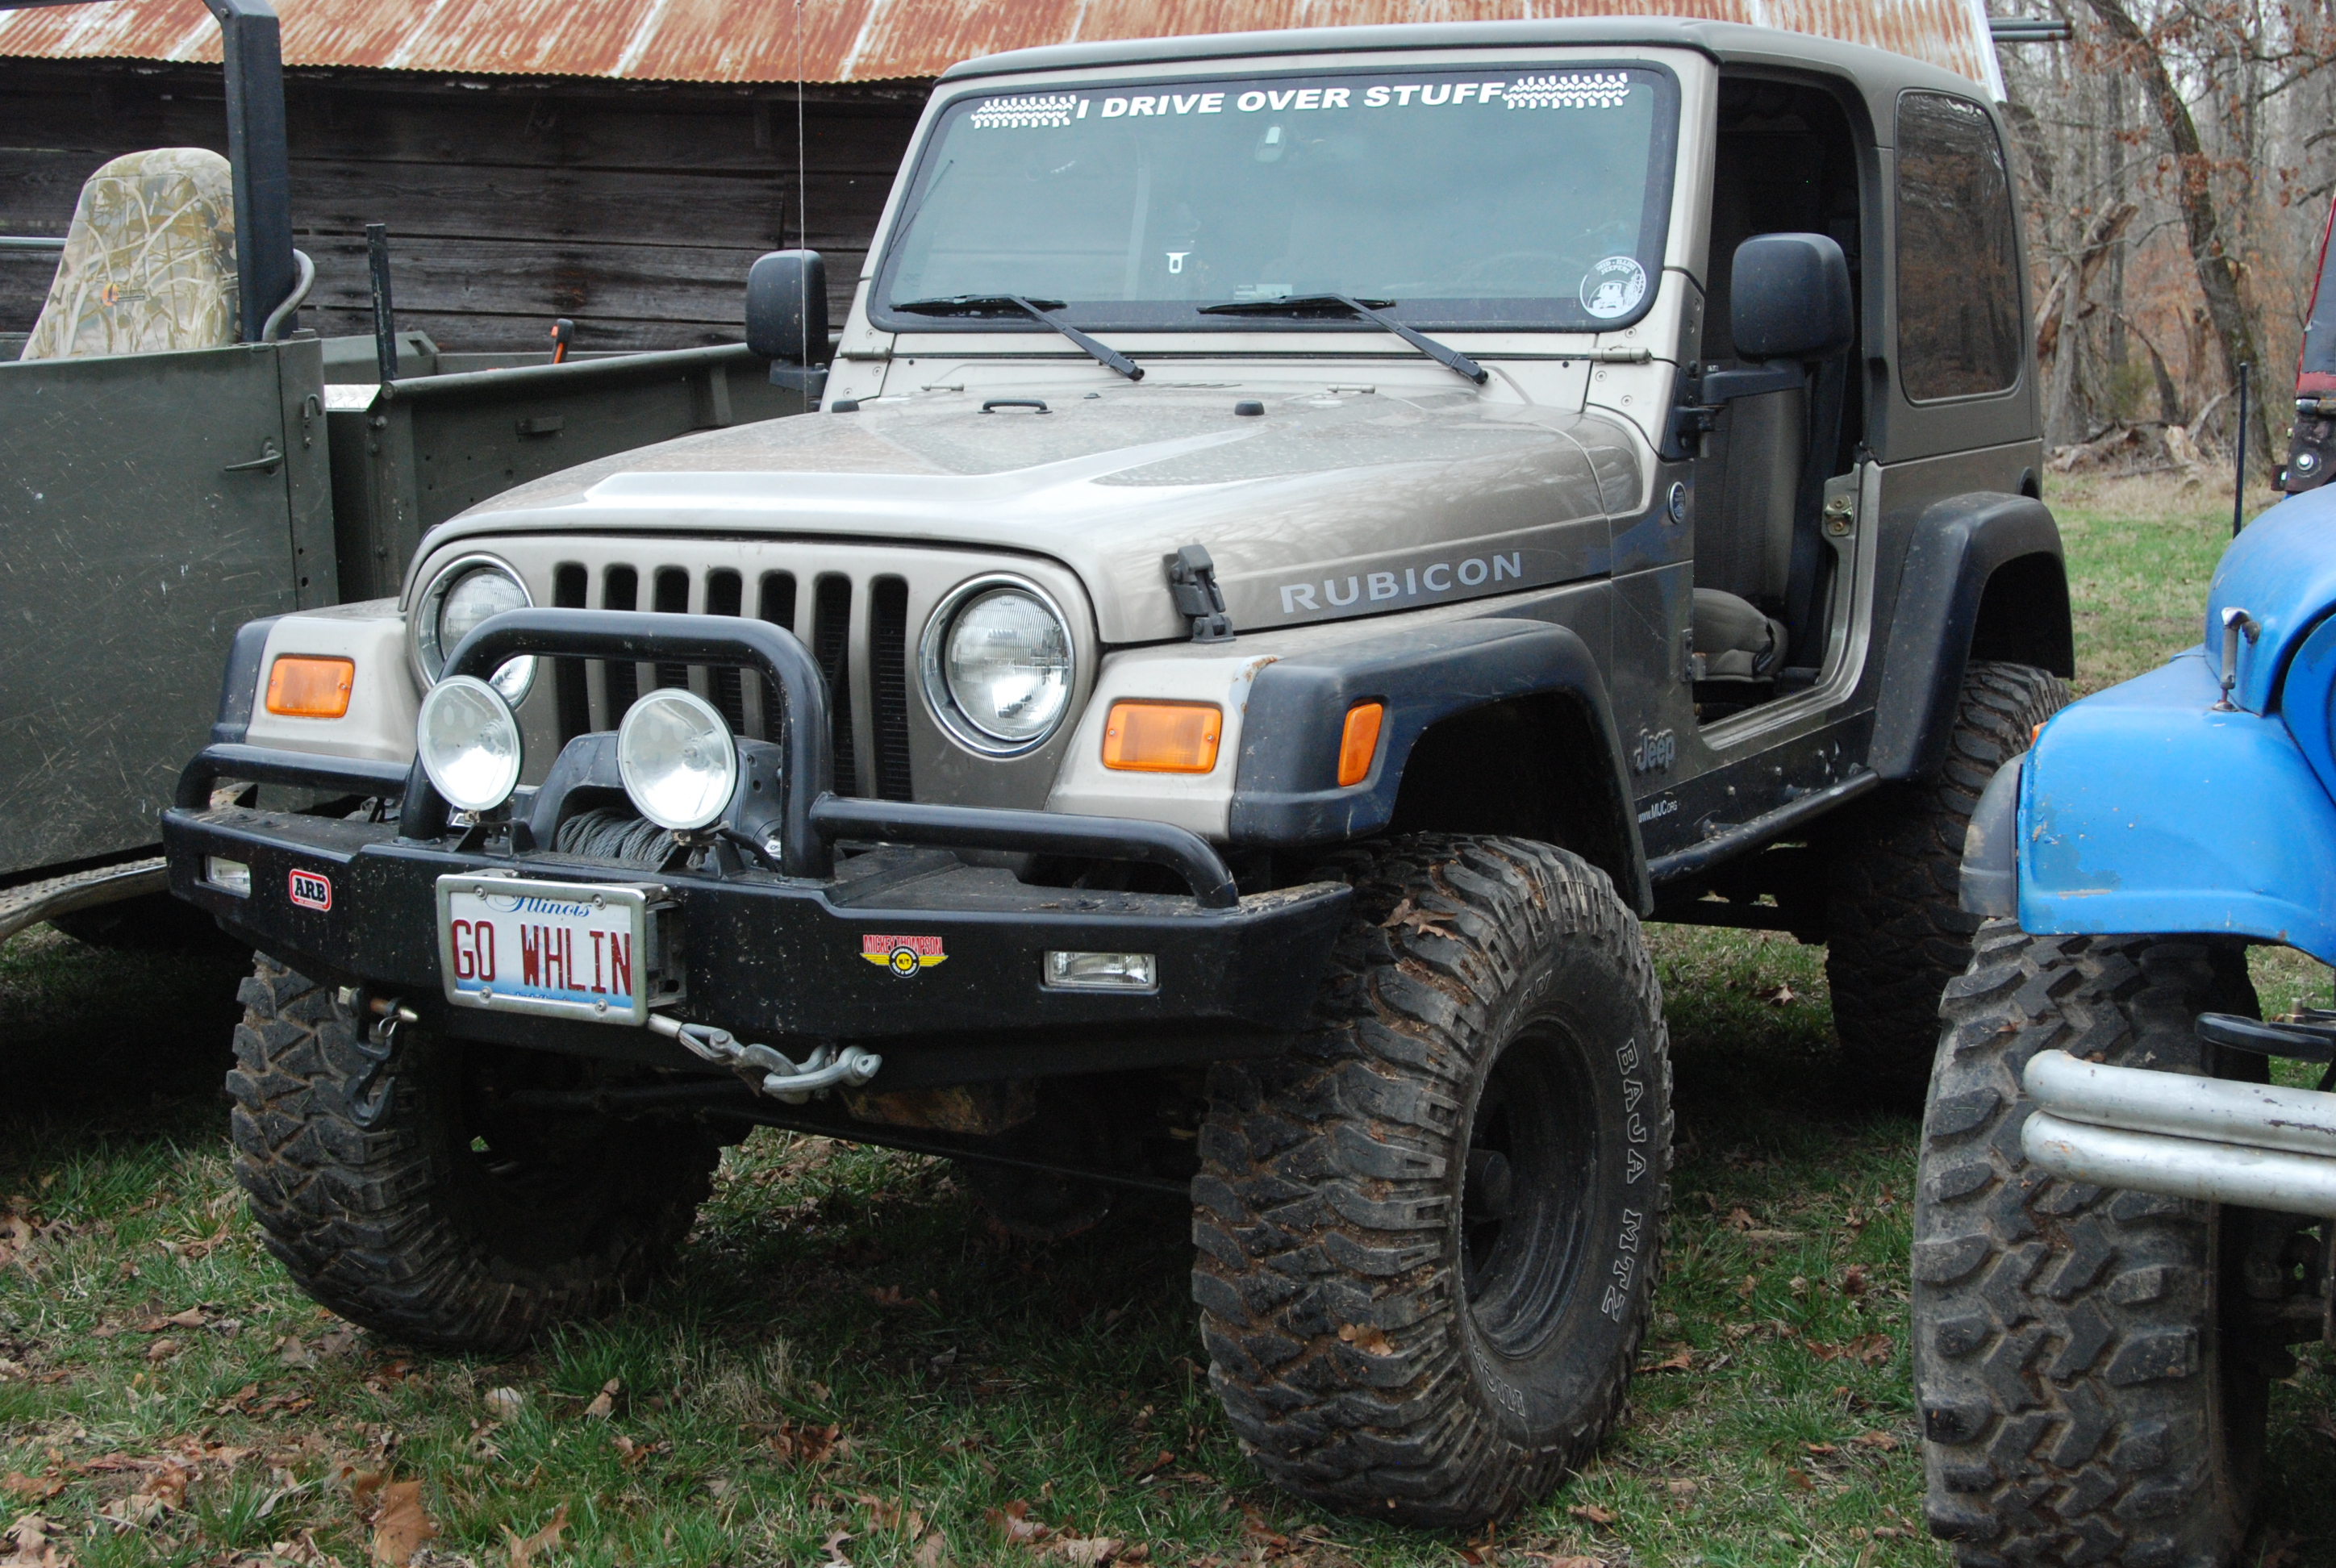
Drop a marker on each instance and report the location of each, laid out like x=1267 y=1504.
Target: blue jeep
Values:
x=2121 y=1225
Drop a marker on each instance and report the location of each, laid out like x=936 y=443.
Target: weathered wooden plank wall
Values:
x=633 y=208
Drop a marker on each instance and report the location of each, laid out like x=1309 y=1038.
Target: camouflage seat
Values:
x=149 y=264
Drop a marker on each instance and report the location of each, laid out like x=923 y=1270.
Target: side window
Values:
x=1958 y=269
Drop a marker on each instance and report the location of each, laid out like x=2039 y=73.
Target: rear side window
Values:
x=1958 y=269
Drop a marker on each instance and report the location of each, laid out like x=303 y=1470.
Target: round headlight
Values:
x=674 y=754
x=462 y=595
x=468 y=743
x=997 y=669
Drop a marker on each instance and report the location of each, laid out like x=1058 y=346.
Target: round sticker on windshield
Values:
x=1613 y=287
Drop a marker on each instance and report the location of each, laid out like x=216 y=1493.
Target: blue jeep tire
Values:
x=2081 y=1402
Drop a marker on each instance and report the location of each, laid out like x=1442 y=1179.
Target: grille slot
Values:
x=622 y=592
x=888 y=680
x=724 y=593
x=570 y=685
x=672 y=598
x=595 y=694
x=831 y=644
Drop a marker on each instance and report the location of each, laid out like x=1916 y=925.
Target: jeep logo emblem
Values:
x=1655 y=752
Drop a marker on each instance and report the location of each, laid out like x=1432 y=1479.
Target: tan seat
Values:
x=149 y=264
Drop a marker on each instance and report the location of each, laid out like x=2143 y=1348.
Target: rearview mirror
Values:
x=786 y=306
x=1789 y=298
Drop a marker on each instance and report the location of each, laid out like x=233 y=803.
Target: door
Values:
x=150 y=504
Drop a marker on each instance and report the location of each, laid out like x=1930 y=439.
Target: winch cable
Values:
x=610 y=833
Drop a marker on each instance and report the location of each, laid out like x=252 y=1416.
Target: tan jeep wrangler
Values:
x=1310 y=538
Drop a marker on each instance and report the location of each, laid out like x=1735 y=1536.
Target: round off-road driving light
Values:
x=464 y=594
x=469 y=742
x=996 y=661
x=674 y=754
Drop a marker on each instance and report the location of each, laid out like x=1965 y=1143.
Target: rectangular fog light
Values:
x=227 y=876
x=1103 y=972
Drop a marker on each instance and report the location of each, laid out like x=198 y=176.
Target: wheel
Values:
x=1896 y=932
x=2084 y=1397
x=1427 y=1238
x=403 y=1191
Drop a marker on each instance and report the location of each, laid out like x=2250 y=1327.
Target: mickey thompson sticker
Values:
x=904 y=956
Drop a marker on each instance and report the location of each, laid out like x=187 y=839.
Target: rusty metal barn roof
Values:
x=834 y=40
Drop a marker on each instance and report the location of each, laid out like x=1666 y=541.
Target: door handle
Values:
x=269 y=461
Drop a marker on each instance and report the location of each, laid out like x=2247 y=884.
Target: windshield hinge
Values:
x=1192 y=582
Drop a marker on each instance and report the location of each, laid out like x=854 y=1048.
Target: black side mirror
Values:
x=1789 y=298
x=786 y=306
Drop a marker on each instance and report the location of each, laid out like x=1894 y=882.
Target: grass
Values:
x=848 y=1368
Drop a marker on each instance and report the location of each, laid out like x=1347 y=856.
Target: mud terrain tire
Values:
x=398 y=1195
x=1428 y=1237
x=1896 y=932
x=2080 y=1402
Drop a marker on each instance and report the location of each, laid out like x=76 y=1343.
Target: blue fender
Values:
x=2144 y=809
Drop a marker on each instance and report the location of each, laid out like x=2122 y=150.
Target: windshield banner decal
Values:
x=1558 y=90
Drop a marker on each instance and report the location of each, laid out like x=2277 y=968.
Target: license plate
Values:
x=571 y=950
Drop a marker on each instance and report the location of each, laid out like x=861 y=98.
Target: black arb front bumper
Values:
x=774 y=945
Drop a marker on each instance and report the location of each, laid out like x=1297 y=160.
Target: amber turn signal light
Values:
x=1359 y=742
x=1162 y=736
x=299 y=687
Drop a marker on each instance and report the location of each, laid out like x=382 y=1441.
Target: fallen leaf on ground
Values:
x=192 y=1317
x=1870 y=1350
x=1680 y=1360
x=1548 y=1561
x=806 y=1445
x=524 y=1548
x=1364 y=1337
x=889 y=1295
x=604 y=1403
x=929 y=1555
x=1853 y=1280
x=163 y=1349
x=293 y=1353
x=28 y=1545
x=1782 y=997
x=1593 y=1513
x=32 y=1488
x=1881 y=1440
x=1775 y=1238
x=836 y=1540
x=505 y=1403
x=1800 y=1478
x=1014 y=1522
x=1087 y=1551
x=401 y=1524
x=167 y=1485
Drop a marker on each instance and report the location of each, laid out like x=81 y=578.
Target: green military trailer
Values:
x=180 y=460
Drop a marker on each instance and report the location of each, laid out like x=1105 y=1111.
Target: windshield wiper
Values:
x=1369 y=310
x=1036 y=309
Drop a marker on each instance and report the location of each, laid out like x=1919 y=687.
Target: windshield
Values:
x=1477 y=198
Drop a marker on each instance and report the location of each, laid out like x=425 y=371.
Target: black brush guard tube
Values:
x=812 y=815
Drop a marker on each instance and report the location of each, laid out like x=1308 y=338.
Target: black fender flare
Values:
x=1286 y=790
x=240 y=682
x=1957 y=546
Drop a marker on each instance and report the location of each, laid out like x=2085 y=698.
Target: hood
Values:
x=2281 y=571
x=1327 y=506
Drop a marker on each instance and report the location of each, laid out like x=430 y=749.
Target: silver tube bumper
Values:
x=2253 y=1145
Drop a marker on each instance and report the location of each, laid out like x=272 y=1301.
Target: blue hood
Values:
x=2281 y=571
